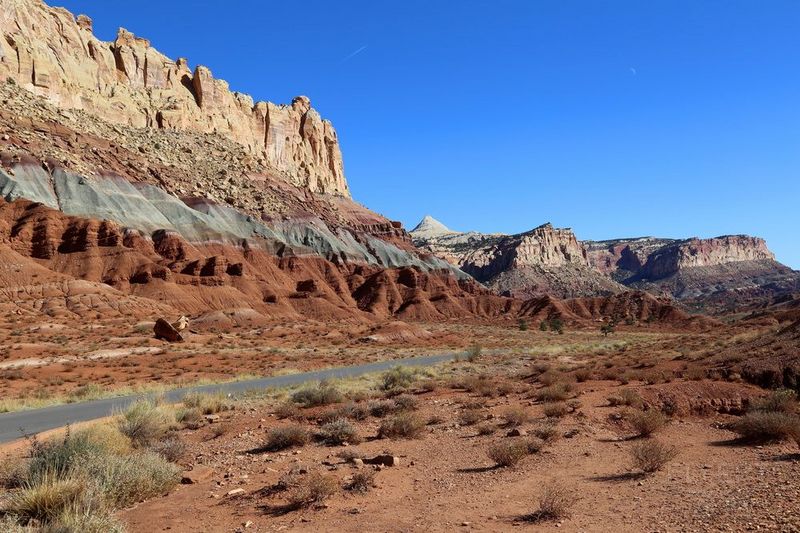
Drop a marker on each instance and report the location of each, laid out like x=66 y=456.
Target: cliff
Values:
x=545 y=260
x=54 y=54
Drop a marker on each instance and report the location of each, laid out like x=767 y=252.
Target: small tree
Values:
x=543 y=326
x=557 y=325
x=523 y=324
x=607 y=329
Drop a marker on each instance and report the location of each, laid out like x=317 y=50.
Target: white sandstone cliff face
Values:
x=53 y=54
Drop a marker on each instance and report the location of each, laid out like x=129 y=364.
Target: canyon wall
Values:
x=54 y=54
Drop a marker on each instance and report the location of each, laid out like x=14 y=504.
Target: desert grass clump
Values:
x=515 y=416
x=555 y=503
x=645 y=423
x=362 y=481
x=324 y=393
x=283 y=437
x=399 y=377
x=651 y=455
x=763 y=427
x=207 y=403
x=145 y=423
x=286 y=410
x=507 y=454
x=74 y=483
x=339 y=432
x=312 y=489
x=555 y=409
x=558 y=392
x=402 y=425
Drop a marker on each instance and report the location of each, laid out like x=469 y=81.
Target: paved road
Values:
x=14 y=425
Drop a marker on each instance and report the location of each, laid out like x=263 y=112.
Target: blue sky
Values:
x=616 y=118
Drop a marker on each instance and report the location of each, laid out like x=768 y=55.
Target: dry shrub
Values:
x=349 y=455
x=284 y=437
x=555 y=409
x=651 y=455
x=555 y=503
x=760 y=426
x=406 y=402
x=515 y=416
x=311 y=489
x=626 y=397
x=474 y=353
x=171 y=448
x=582 y=375
x=508 y=453
x=470 y=417
x=429 y=385
x=534 y=445
x=399 y=377
x=351 y=410
x=191 y=418
x=362 y=481
x=403 y=425
x=339 y=432
x=645 y=423
x=550 y=377
x=486 y=429
x=381 y=408
x=558 y=392
x=780 y=401
x=287 y=410
x=547 y=432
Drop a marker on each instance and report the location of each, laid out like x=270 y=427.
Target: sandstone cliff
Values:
x=52 y=53
x=719 y=274
x=545 y=260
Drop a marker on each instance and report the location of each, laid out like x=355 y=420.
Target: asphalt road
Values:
x=14 y=425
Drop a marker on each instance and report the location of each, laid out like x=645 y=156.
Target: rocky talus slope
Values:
x=721 y=274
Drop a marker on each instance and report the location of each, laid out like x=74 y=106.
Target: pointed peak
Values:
x=430 y=227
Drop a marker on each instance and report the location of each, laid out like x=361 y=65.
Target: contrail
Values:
x=354 y=54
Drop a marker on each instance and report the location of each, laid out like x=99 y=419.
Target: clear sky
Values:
x=672 y=118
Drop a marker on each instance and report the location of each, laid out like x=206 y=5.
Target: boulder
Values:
x=165 y=331
x=383 y=460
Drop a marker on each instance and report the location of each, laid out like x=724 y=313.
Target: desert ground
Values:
x=528 y=429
